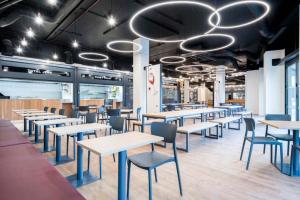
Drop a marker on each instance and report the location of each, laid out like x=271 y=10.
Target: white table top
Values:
x=57 y=121
x=229 y=107
x=118 y=142
x=65 y=130
x=24 y=110
x=35 y=114
x=32 y=111
x=126 y=111
x=45 y=117
x=182 y=113
x=291 y=125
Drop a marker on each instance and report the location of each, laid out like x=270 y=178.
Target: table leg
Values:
x=79 y=159
x=296 y=170
x=143 y=122
x=58 y=148
x=122 y=175
x=46 y=138
x=36 y=134
x=181 y=121
x=25 y=125
x=30 y=128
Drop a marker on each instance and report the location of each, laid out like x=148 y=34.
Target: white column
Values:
x=186 y=91
x=202 y=93
x=219 y=86
x=261 y=97
x=140 y=60
x=274 y=83
x=252 y=91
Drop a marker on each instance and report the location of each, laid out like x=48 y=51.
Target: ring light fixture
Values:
x=195 y=73
x=217 y=13
x=180 y=59
x=182 y=44
x=83 y=55
x=183 y=68
x=134 y=44
x=170 y=3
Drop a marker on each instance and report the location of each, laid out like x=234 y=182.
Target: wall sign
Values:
x=154 y=88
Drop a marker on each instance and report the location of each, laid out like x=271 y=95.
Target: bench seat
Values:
x=227 y=120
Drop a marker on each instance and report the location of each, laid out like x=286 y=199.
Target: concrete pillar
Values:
x=274 y=83
x=140 y=60
x=202 y=93
x=219 y=86
x=252 y=91
x=186 y=91
x=261 y=96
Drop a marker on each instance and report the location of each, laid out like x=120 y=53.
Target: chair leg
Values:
x=114 y=157
x=100 y=167
x=88 y=164
x=128 y=178
x=266 y=133
x=53 y=140
x=291 y=161
x=288 y=148
x=241 y=156
x=178 y=176
x=155 y=174
x=271 y=153
x=68 y=138
x=275 y=156
x=249 y=156
x=281 y=157
x=74 y=148
x=150 y=184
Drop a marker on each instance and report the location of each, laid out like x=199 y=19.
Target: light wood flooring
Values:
x=212 y=170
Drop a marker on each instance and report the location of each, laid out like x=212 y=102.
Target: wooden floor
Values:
x=212 y=170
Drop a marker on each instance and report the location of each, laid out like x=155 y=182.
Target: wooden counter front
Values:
x=239 y=101
x=7 y=105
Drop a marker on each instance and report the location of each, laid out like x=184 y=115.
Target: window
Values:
x=292 y=89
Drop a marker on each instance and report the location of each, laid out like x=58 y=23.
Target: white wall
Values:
x=219 y=86
x=186 y=91
x=274 y=83
x=252 y=91
x=261 y=98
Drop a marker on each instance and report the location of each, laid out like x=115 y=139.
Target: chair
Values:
x=46 y=109
x=170 y=107
x=292 y=155
x=102 y=114
x=61 y=111
x=284 y=137
x=137 y=118
x=152 y=160
x=53 y=110
x=90 y=118
x=250 y=126
x=113 y=112
x=75 y=114
x=117 y=124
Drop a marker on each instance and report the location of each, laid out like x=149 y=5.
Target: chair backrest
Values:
x=91 y=118
x=279 y=117
x=165 y=130
x=101 y=110
x=250 y=124
x=113 y=112
x=138 y=113
x=75 y=114
x=61 y=111
x=46 y=109
x=83 y=108
x=117 y=123
x=170 y=107
x=53 y=110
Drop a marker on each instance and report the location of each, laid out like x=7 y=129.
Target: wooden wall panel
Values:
x=87 y=102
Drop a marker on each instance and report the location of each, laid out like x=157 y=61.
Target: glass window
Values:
x=291 y=89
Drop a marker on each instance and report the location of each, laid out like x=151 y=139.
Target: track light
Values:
x=104 y=65
x=111 y=20
x=75 y=44
x=19 y=50
x=30 y=33
x=24 y=42
x=52 y=2
x=39 y=19
x=55 y=56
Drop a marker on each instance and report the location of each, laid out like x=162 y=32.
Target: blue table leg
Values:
x=36 y=134
x=25 y=125
x=30 y=128
x=181 y=121
x=143 y=122
x=46 y=139
x=296 y=170
x=122 y=175
x=79 y=159
x=58 y=148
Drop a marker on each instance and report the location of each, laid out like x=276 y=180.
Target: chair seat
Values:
x=263 y=140
x=150 y=159
x=285 y=137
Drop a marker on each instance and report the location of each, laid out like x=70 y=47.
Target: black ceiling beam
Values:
x=94 y=13
x=161 y=25
x=161 y=13
x=116 y=26
x=72 y=32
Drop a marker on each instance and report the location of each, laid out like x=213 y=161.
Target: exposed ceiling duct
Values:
x=10 y=16
x=7 y=4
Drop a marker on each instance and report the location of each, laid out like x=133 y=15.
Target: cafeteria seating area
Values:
x=118 y=99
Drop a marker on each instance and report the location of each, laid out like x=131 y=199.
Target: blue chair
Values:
x=250 y=126
x=53 y=110
x=46 y=109
x=102 y=114
x=152 y=160
x=61 y=111
x=284 y=137
x=137 y=118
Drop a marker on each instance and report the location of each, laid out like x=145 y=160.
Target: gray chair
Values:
x=113 y=112
x=102 y=114
x=61 y=111
x=250 y=127
x=53 y=110
x=283 y=137
x=152 y=160
x=137 y=118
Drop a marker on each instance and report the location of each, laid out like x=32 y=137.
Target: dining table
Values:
x=294 y=126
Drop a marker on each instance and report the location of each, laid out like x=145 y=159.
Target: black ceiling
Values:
x=85 y=21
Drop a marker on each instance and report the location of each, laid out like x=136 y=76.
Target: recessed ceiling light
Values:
x=30 y=33
x=52 y=2
x=111 y=20
x=24 y=42
x=104 y=65
x=55 y=56
x=39 y=19
x=75 y=44
x=19 y=50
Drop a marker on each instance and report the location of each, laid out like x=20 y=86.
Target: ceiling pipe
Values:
x=7 y=4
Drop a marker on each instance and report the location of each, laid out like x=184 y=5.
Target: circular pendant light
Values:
x=182 y=44
x=84 y=56
x=169 y=3
x=185 y=68
x=195 y=73
x=166 y=60
x=134 y=44
x=217 y=13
